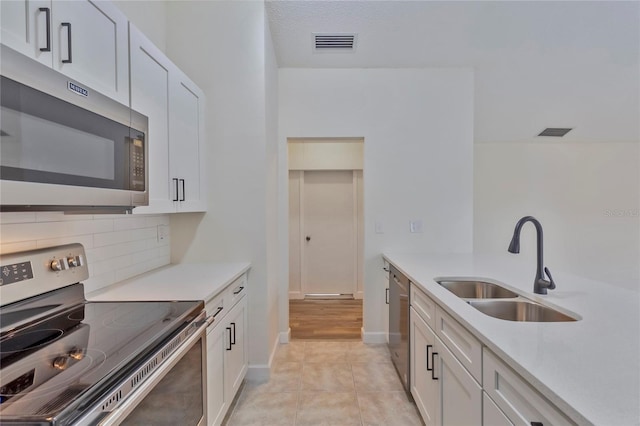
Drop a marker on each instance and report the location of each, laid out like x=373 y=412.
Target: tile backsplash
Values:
x=117 y=246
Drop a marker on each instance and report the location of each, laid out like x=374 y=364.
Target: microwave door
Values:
x=48 y=145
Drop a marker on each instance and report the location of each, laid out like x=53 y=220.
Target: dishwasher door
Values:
x=399 y=324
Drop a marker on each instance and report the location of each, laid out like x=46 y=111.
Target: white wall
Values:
x=585 y=194
x=271 y=115
x=222 y=46
x=117 y=246
x=417 y=126
x=150 y=17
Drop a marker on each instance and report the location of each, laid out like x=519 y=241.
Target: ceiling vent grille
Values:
x=557 y=132
x=334 y=42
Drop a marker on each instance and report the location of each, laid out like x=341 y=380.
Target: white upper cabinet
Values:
x=85 y=40
x=175 y=107
x=26 y=27
x=150 y=70
x=186 y=143
x=90 y=45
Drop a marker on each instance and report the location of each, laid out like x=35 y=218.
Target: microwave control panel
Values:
x=136 y=164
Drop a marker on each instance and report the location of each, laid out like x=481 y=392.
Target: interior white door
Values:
x=329 y=232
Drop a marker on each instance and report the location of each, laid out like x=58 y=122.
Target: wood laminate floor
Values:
x=325 y=319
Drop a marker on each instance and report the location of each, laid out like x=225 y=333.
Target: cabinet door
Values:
x=385 y=308
x=461 y=395
x=149 y=75
x=237 y=357
x=96 y=32
x=187 y=143
x=216 y=403
x=423 y=388
x=491 y=414
x=24 y=28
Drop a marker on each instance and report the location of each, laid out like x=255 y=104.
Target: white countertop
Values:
x=590 y=369
x=185 y=281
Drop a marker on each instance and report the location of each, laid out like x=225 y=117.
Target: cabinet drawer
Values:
x=466 y=348
x=216 y=306
x=237 y=290
x=423 y=305
x=520 y=402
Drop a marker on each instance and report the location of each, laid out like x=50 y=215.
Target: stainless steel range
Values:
x=64 y=360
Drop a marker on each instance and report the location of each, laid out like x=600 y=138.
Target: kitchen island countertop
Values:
x=590 y=368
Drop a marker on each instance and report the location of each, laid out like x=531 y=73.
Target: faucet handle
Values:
x=552 y=284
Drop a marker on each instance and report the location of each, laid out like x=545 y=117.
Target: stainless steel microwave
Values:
x=64 y=146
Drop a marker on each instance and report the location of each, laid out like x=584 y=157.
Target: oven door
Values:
x=174 y=395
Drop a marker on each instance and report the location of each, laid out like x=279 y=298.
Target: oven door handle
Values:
x=116 y=416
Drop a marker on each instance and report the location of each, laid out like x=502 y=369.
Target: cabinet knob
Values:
x=308 y=238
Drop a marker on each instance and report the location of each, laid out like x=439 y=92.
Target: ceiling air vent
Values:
x=557 y=132
x=334 y=42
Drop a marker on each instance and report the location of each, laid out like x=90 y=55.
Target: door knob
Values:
x=308 y=238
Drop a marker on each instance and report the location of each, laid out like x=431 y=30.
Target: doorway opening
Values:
x=326 y=237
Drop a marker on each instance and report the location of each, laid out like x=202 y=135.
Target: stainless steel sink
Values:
x=519 y=310
x=477 y=289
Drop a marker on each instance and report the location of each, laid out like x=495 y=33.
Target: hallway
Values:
x=325 y=318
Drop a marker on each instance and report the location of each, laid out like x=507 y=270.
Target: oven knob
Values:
x=76 y=353
x=72 y=261
x=58 y=265
x=60 y=362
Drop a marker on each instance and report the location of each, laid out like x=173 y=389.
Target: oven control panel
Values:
x=63 y=263
x=27 y=274
x=16 y=386
x=15 y=272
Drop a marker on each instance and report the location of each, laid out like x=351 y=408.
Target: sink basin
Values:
x=519 y=310
x=477 y=289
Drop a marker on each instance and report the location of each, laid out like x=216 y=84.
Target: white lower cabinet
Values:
x=384 y=278
x=227 y=357
x=460 y=394
x=520 y=402
x=491 y=414
x=423 y=387
x=236 y=355
x=444 y=391
x=215 y=374
x=456 y=381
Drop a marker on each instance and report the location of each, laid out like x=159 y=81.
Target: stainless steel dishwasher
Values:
x=399 y=324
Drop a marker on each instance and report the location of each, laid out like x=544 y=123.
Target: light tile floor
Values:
x=327 y=383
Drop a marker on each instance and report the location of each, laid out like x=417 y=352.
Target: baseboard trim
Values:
x=260 y=373
x=374 y=337
x=285 y=336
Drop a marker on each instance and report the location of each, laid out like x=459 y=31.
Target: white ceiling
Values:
x=537 y=63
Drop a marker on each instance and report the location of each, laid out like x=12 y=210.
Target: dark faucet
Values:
x=540 y=284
